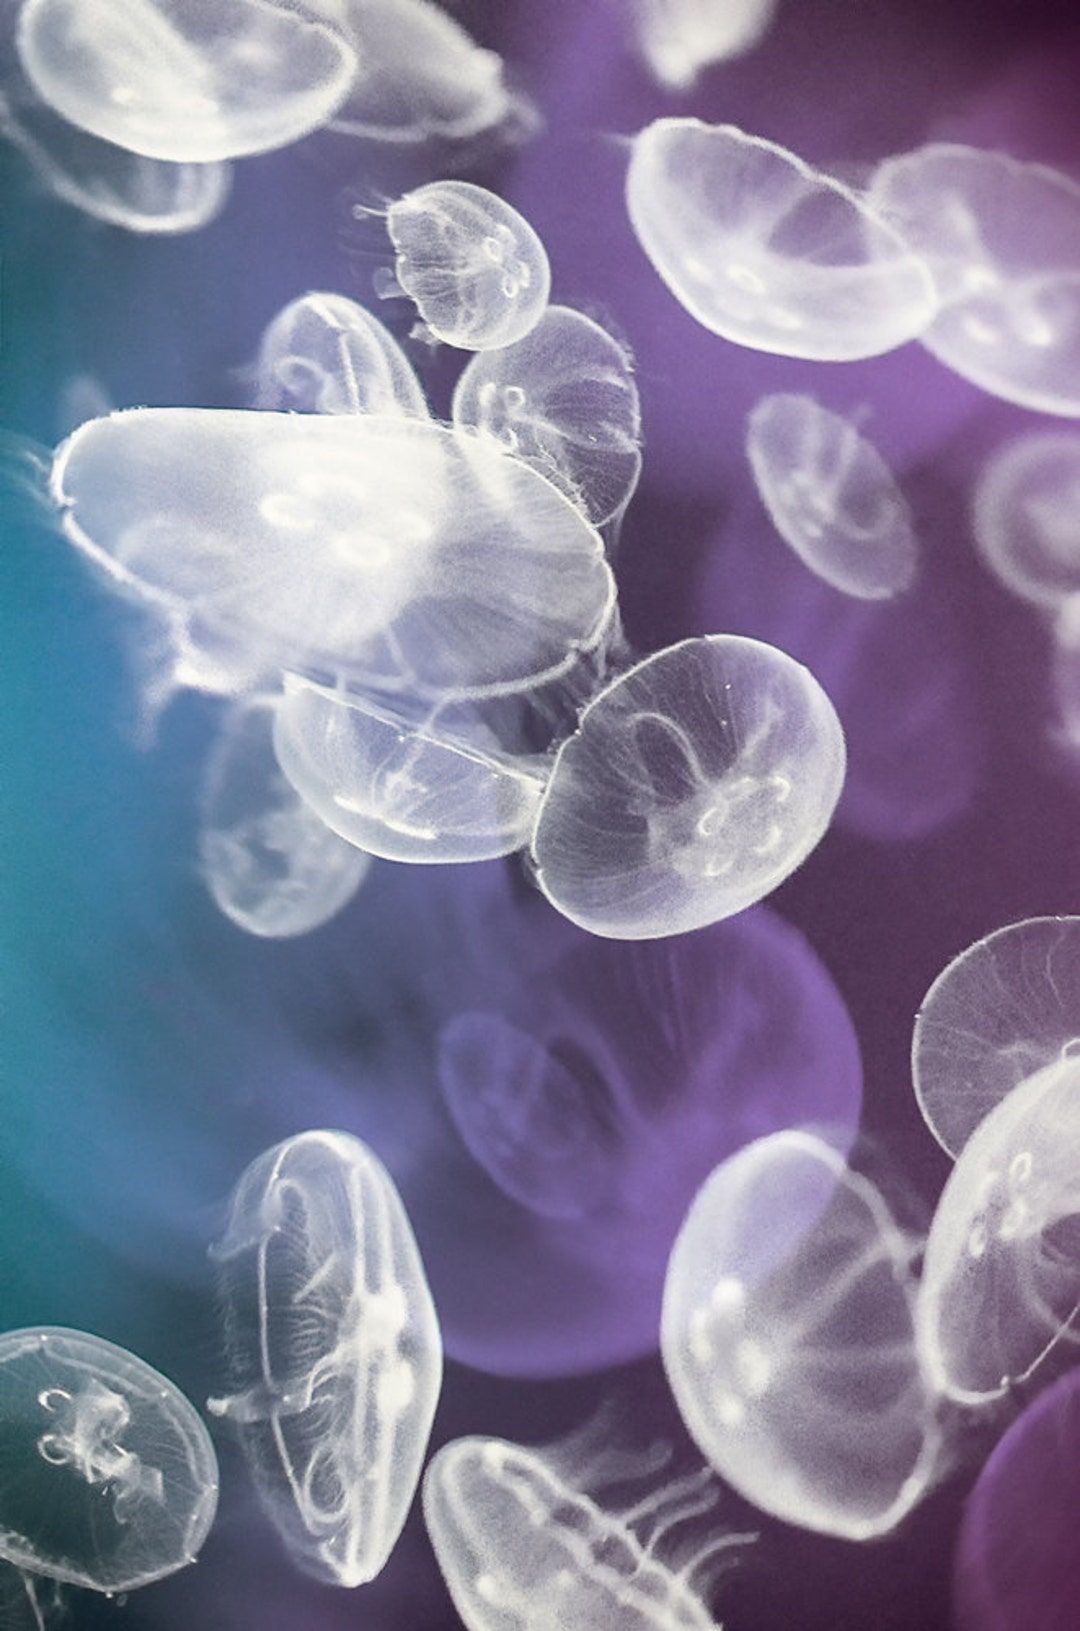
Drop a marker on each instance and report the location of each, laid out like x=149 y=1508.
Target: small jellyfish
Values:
x=788 y=1338
x=832 y=497
x=767 y=252
x=334 y=1350
x=1026 y=517
x=185 y=80
x=110 y=1477
x=692 y=787
x=323 y=353
x=475 y=269
x=271 y=865
x=1002 y=243
x=563 y=399
x=678 y=38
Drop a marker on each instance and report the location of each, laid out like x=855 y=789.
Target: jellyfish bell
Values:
x=323 y=353
x=116 y=1481
x=1026 y=517
x=679 y=38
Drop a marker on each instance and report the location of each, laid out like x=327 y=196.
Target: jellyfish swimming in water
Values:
x=788 y=1339
x=324 y=353
x=693 y=786
x=110 y=1477
x=1026 y=516
x=334 y=1350
x=767 y=252
x=678 y=38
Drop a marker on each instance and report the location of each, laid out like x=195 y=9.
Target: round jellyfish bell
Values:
x=693 y=786
x=475 y=269
x=324 y=353
x=334 y=1349
x=110 y=1477
x=832 y=497
x=678 y=38
x=767 y=252
x=1002 y=242
x=1026 y=517
x=788 y=1338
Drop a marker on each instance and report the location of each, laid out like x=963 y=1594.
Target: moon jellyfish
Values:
x=110 y=1479
x=323 y=353
x=334 y=1349
x=832 y=497
x=1002 y=242
x=767 y=252
x=406 y=792
x=389 y=550
x=563 y=399
x=1001 y=1275
x=474 y=268
x=693 y=786
x=271 y=865
x=185 y=80
x=788 y=1339
x=678 y=38
x=1026 y=517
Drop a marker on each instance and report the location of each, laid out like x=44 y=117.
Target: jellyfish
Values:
x=788 y=1338
x=474 y=268
x=111 y=1480
x=832 y=497
x=190 y=81
x=1026 y=516
x=323 y=353
x=1002 y=242
x=693 y=786
x=767 y=252
x=334 y=1350
x=678 y=38
x=1004 y=1008
x=564 y=399
x=271 y=865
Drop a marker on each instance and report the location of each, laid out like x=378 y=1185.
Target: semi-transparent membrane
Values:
x=323 y=353
x=768 y=252
x=1026 y=516
x=694 y=784
x=108 y=1478
x=788 y=1338
x=334 y=1350
x=832 y=497
x=678 y=38
x=1004 y=1008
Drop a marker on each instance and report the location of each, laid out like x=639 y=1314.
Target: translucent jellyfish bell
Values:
x=563 y=399
x=1026 y=517
x=768 y=252
x=185 y=80
x=693 y=786
x=475 y=268
x=832 y=497
x=334 y=1350
x=788 y=1338
x=323 y=353
x=678 y=38
x=110 y=1477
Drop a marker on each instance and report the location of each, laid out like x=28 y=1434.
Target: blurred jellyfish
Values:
x=563 y=399
x=111 y=1480
x=1003 y=1009
x=334 y=1350
x=693 y=786
x=1026 y=516
x=1001 y=1275
x=788 y=1338
x=832 y=497
x=768 y=252
x=678 y=38
x=185 y=80
x=81 y=397
x=474 y=268
x=271 y=865
x=323 y=353
x=28 y=1602
x=1002 y=242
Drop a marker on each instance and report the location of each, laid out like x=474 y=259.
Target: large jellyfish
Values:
x=334 y=1350
x=110 y=1480
x=678 y=38
x=1026 y=516
x=323 y=353
x=768 y=252
x=693 y=786
x=788 y=1338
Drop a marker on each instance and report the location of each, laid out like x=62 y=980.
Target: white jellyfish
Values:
x=832 y=497
x=185 y=80
x=768 y=252
x=334 y=1350
x=693 y=785
x=474 y=268
x=323 y=353
x=678 y=38
x=1001 y=1274
x=788 y=1337
x=110 y=1477
x=1026 y=517
x=563 y=399
x=1002 y=242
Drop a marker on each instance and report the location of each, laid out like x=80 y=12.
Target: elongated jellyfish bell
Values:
x=324 y=353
